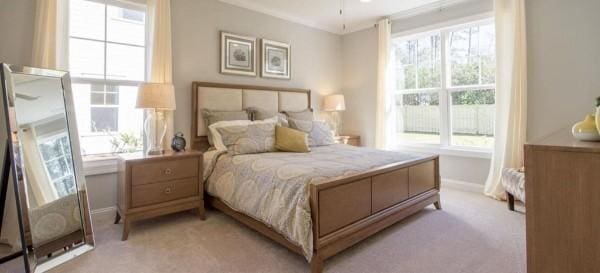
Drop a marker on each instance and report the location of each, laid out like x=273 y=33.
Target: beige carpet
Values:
x=471 y=234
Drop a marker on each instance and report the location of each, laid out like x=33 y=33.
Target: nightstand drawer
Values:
x=147 y=173
x=165 y=191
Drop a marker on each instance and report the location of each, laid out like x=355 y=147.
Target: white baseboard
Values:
x=461 y=185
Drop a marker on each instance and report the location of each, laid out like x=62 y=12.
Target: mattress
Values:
x=273 y=187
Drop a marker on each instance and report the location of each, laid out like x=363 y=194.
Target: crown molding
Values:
x=437 y=5
x=281 y=15
x=440 y=4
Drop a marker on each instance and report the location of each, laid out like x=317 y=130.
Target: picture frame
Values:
x=238 y=54
x=275 y=60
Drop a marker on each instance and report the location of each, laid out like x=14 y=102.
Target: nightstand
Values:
x=348 y=139
x=155 y=185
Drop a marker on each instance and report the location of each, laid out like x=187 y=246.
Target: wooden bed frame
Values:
x=348 y=209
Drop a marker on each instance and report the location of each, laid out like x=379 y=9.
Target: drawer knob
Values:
x=168 y=171
x=168 y=190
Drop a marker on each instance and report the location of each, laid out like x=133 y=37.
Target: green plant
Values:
x=598 y=102
x=125 y=142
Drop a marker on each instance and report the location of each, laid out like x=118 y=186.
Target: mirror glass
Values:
x=47 y=156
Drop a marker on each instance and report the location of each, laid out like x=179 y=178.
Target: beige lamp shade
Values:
x=156 y=96
x=333 y=103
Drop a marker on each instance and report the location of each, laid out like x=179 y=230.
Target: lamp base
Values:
x=337 y=123
x=155 y=128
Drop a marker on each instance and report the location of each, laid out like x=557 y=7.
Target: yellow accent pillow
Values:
x=291 y=140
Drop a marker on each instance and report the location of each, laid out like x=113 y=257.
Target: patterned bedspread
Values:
x=273 y=187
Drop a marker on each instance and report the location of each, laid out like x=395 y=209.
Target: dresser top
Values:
x=167 y=154
x=564 y=140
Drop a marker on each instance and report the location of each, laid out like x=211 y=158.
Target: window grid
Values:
x=105 y=43
x=64 y=157
x=446 y=88
x=106 y=81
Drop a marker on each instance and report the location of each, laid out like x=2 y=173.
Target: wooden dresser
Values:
x=154 y=185
x=563 y=205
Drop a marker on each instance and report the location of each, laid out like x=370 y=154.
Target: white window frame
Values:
x=107 y=163
x=446 y=89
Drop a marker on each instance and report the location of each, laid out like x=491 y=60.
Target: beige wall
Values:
x=316 y=55
x=359 y=66
x=16 y=30
x=563 y=63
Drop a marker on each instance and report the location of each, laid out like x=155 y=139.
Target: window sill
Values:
x=445 y=150
x=98 y=165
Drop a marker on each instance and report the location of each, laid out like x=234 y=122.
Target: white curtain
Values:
x=160 y=52
x=37 y=180
x=511 y=92
x=44 y=34
x=385 y=124
x=50 y=35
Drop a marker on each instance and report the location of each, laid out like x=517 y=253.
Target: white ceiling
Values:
x=324 y=14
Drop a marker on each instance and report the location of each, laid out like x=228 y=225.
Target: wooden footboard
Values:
x=348 y=210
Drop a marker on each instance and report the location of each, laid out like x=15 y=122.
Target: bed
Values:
x=316 y=204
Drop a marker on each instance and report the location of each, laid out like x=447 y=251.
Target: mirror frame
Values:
x=8 y=94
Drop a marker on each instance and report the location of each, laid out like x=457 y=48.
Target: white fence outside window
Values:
x=466 y=119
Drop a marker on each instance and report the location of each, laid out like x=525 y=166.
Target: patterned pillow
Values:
x=301 y=115
x=319 y=133
x=216 y=137
x=213 y=116
x=249 y=139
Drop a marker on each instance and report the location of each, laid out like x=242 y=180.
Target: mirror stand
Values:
x=7 y=163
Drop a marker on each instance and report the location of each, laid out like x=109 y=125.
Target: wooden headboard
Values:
x=236 y=97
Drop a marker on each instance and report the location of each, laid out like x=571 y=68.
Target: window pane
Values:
x=418 y=118
x=105 y=119
x=86 y=19
x=94 y=140
x=472 y=55
x=57 y=168
x=112 y=98
x=464 y=56
x=97 y=98
x=126 y=25
x=488 y=54
x=473 y=118
x=429 y=62
x=50 y=150
x=406 y=64
x=86 y=59
x=124 y=62
x=65 y=186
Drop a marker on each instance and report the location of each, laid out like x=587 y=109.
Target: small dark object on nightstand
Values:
x=178 y=143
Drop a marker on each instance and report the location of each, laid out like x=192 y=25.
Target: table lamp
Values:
x=155 y=98
x=335 y=104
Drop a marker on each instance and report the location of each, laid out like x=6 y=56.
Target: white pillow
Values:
x=217 y=139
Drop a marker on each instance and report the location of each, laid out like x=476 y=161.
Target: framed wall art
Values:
x=276 y=58
x=238 y=54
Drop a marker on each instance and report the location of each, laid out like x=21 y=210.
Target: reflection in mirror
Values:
x=53 y=206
